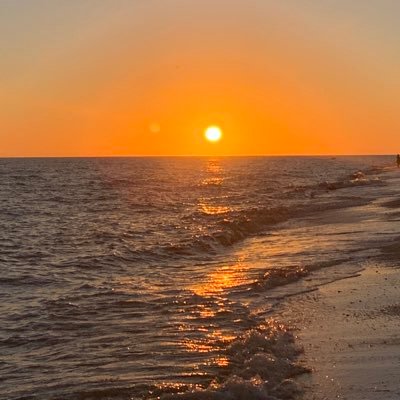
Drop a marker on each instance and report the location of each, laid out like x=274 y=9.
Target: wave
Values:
x=233 y=226
x=249 y=223
x=226 y=229
x=275 y=277
x=358 y=178
x=262 y=365
x=221 y=231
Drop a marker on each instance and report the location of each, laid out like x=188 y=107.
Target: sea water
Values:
x=138 y=278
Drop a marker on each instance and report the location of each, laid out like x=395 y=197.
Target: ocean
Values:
x=147 y=278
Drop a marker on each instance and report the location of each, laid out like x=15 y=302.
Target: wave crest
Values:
x=262 y=365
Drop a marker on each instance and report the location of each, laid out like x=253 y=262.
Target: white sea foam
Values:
x=262 y=366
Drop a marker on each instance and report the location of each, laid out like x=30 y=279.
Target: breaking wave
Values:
x=262 y=365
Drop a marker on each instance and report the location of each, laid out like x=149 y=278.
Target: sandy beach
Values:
x=349 y=327
x=349 y=331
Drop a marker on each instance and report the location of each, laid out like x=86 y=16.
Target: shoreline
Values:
x=349 y=332
x=348 y=325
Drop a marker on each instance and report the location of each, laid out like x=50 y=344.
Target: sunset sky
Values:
x=146 y=77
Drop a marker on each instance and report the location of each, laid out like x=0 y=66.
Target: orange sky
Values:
x=89 y=77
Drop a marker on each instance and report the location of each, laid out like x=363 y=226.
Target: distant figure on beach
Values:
x=398 y=160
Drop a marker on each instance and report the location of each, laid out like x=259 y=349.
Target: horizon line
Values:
x=203 y=155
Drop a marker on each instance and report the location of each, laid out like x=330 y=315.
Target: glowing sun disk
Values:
x=213 y=133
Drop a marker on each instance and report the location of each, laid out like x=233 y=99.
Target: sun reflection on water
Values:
x=214 y=173
x=207 y=329
x=214 y=177
x=212 y=180
x=214 y=166
x=218 y=280
x=213 y=340
x=213 y=209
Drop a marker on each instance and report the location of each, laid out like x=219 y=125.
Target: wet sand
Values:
x=350 y=333
x=350 y=327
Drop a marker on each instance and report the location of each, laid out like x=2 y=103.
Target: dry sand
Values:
x=350 y=330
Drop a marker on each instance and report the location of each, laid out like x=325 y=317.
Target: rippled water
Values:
x=133 y=278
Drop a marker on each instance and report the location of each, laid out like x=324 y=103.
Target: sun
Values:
x=213 y=133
